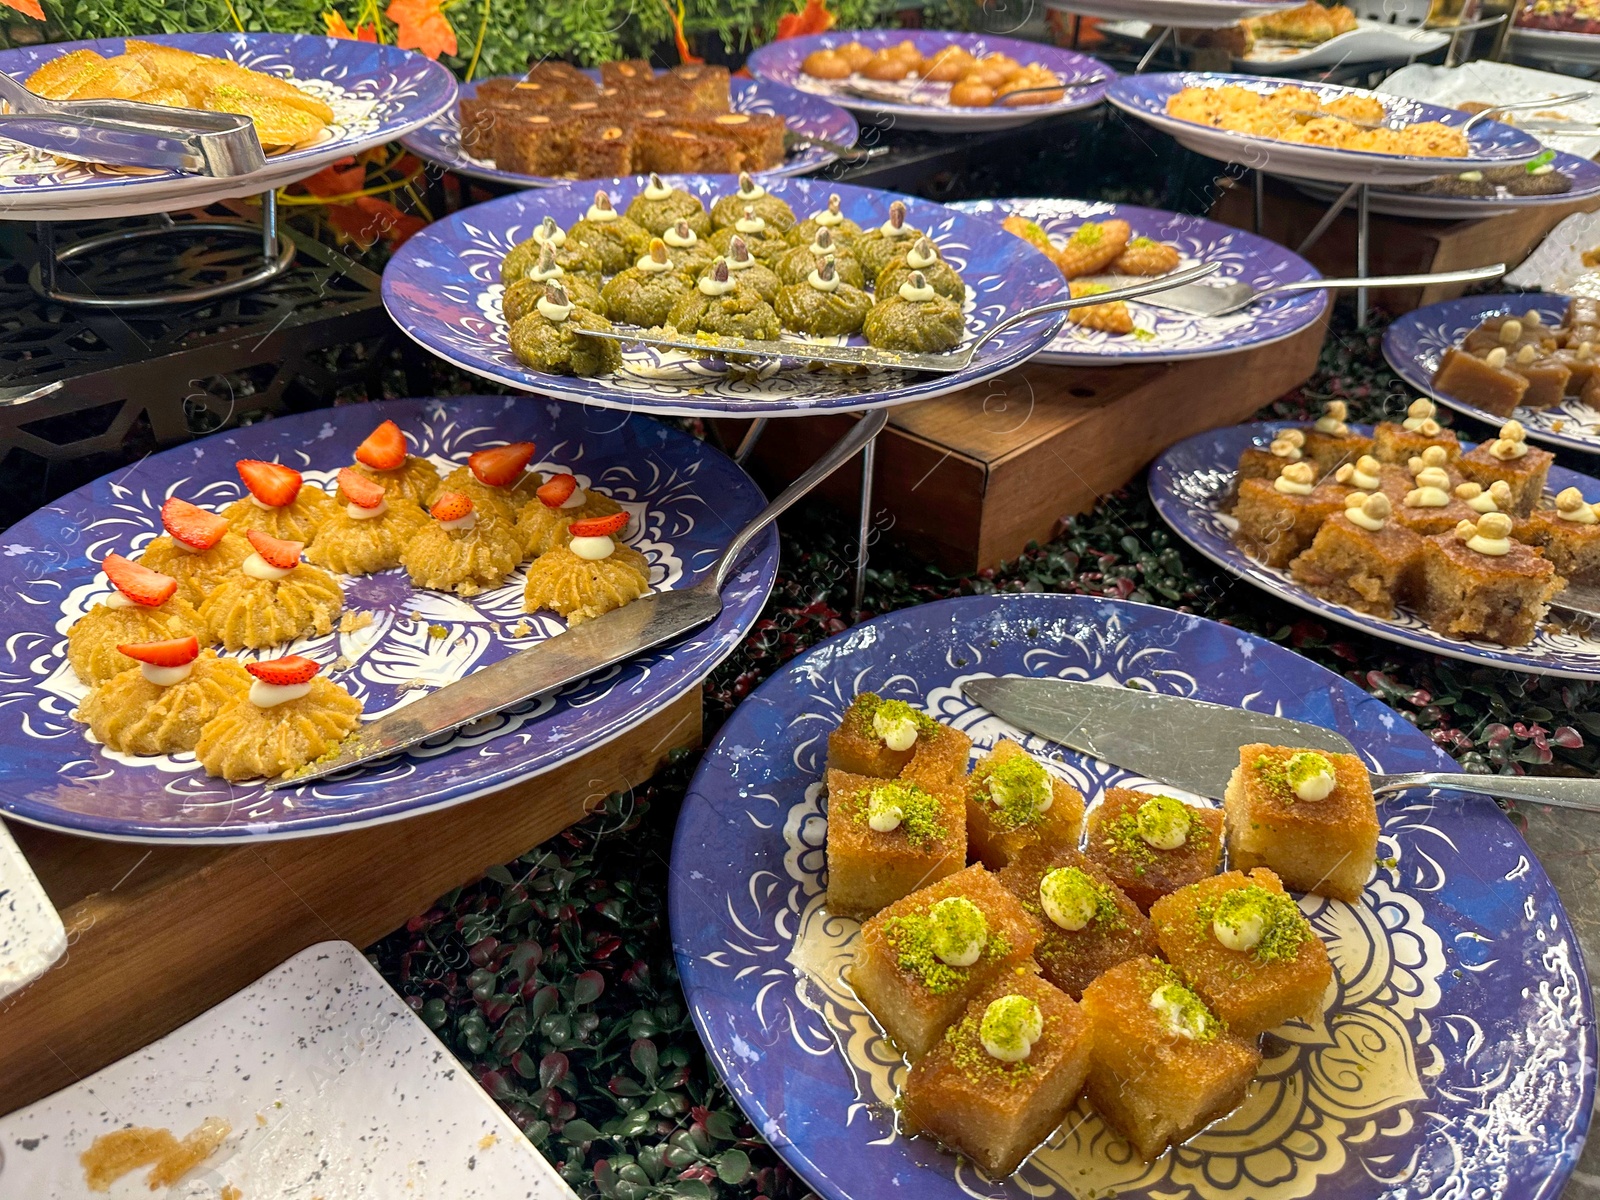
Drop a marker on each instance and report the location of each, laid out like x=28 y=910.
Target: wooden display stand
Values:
x=1399 y=245
x=969 y=479
x=158 y=934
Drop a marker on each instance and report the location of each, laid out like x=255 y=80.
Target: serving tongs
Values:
x=871 y=356
x=127 y=133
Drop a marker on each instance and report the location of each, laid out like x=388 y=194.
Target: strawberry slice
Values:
x=557 y=490
x=450 y=506
x=384 y=449
x=284 y=672
x=359 y=490
x=500 y=465
x=599 y=526
x=178 y=652
x=277 y=552
x=192 y=525
x=139 y=584
x=274 y=484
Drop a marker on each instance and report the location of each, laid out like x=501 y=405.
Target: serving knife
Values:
x=1194 y=745
x=576 y=653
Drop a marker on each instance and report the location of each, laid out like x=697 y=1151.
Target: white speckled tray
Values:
x=31 y=934
x=334 y=1088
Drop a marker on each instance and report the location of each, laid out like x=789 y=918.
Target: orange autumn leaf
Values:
x=422 y=25
x=337 y=179
x=28 y=8
x=337 y=28
x=814 y=18
x=678 y=36
x=367 y=218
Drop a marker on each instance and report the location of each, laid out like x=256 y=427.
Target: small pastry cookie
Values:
x=590 y=576
x=199 y=550
x=145 y=607
x=459 y=552
x=753 y=197
x=273 y=598
x=278 y=504
x=544 y=520
x=161 y=707
x=384 y=459
x=290 y=716
x=368 y=533
x=494 y=480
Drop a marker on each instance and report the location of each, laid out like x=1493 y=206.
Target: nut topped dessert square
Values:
x=1278 y=519
x=1361 y=558
x=1396 y=442
x=1476 y=582
x=1510 y=458
x=1330 y=442
x=887 y=838
x=1150 y=845
x=1013 y=803
x=877 y=736
x=1569 y=535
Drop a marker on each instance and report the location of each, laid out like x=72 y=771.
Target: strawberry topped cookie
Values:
x=369 y=529
x=459 y=550
x=278 y=502
x=289 y=716
x=385 y=459
x=590 y=575
x=496 y=480
x=199 y=549
x=272 y=598
x=161 y=707
x=560 y=501
x=143 y=607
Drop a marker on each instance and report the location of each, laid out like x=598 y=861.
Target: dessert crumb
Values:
x=354 y=619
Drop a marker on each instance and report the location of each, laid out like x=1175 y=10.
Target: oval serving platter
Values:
x=1397 y=202
x=1166 y=14
x=443 y=289
x=1462 y=1016
x=439 y=141
x=687 y=502
x=1164 y=334
x=1189 y=482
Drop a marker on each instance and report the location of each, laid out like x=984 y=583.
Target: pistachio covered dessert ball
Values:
x=915 y=318
x=645 y=293
x=717 y=304
x=753 y=197
x=658 y=208
x=879 y=247
x=824 y=305
x=923 y=256
x=615 y=240
x=796 y=264
x=832 y=219
x=551 y=338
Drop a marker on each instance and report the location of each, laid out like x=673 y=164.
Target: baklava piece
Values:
x=1150 y=845
x=1475 y=582
x=887 y=838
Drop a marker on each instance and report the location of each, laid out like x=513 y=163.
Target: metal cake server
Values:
x=576 y=653
x=905 y=360
x=1218 y=300
x=1194 y=745
x=131 y=134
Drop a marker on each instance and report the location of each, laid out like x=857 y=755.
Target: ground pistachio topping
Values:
x=1010 y=1027
x=1185 y=1014
x=911 y=938
x=1072 y=898
x=1019 y=790
x=868 y=705
x=906 y=807
x=960 y=931
x=895 y=723
x=1309 y=775
x=1254 y=919
x=1163 y=822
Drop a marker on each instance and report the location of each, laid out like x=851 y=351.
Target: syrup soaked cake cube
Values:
x=1399 y=441
x=1330 y=442
x=887 y=838
x=1151 y=845
x=1163 y=1064
x=1307 y=815
x=1246 y=948
x=919 y=961
x=1277 y=520
x=1486 y=383
x=1361 y=558
x=1003 y=1076
x=1569 y=535
x=877 y=736
x=1509 y=457
x=1266 y=462
x=1089 y=923
x=1013 y=802
x=1477 y=582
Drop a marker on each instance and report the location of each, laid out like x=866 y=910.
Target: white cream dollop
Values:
x=749 y=189
x=118 y=600
x=898 y=733
x=654 y=266
x=1009 y=1028
x=1243 y=931
x=656 y=189
x=601 y=215
x=259 y=568
x=681 y=241
x=750 y=223
x=1570 y=506
x=270 y=695
x=1367 y=512
x=1332 y=420
x=1070 y=908
x=1293 y=481
x=821 y=284
x=578 y=499
x=356 y=513
x=1172 y=1002
x=710 y=286
x=464 y=521
x=545 y=274
x=1419 y=416
x=593 y=549
x=260 y=503
x=550 y=234
x=830 y=215
x=553 y=312
x=884 y=816
x=166 y=676
x=890 y=229
x=918 y=261
x=909 y=291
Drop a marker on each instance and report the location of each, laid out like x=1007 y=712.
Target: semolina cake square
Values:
x=1244 y=945
x=1267 y=462
x=1370 y=570
x=1463 y=592
x=1525 y=470
x=1089 y=925
x=939 y=757
x=1150 y=845
x=1326 y=845
x=1277 y=519
x=1569 y=536
x=1400 y=441
x=887 y=838
x=862 y=747
x=903 y=971
x=996 y=1110
x=1163 y=1066
x=1013 y=803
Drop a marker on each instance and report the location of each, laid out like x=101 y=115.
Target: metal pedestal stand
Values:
x=1363 y=234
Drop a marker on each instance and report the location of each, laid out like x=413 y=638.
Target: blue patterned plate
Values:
x=377 y=93
x=780 y=62
x=1397 y=202
x=1491 y=144
x=1414 y=344
x=1191 y=479
x=1162 y=334
x=443 y=288
x=687 y=501
x=439 y=141
x=1462 y=1019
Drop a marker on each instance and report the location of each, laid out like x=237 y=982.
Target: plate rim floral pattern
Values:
x=1414 y=343
x=745 y=894
x=687 y=499
x=1267 y=261
x=439 y=141
x=1188 y=477
x=442 y=289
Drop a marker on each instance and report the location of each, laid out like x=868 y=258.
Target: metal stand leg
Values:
x=45 y=231
x=1362 y=242
x=869 y=455
x=747 y=444
x=1327 y=218
x=1155 y=46
x=1259 y=208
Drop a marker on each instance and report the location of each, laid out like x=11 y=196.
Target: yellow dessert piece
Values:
x=197 y=571
x=1013 y=803
x=245 y=741
x=296 y=521
x=464 y=561
x=246 y=613
x=361 y=546
x=131 y=715
x=93 y=640
x=581 y=589
x=887 y=838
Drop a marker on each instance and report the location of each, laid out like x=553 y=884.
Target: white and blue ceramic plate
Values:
x=1163 y=334
x=1395 y=202
x=439 y=141
x=443 y=289
x=376 y=92
x=687 y=501
x=1415 y=343
x=927 y=106
x=1186 y=14
x=1555 y=46
x=332 y=1085
x=1190 y=482
x=1490 y=143
x=1456 y=1057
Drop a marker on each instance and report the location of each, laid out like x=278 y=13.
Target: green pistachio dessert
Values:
x=766 y=241
x=521 y=295
x=844 y=230
x=824 y=305
x=752 y=196
x=645 y=293
x=691 y=253
x=923 y=256
x=717 y=304
x=877 y=248
x=914 y=318
x=750 y=274
x=551 y=338
x=571 y=256
x=613 y=238
x=658 y=208
x=796 y=264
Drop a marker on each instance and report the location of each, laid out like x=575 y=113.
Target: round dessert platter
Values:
x=443 y=289
x=1170 y=14
x=1459 y=977
x=1555 y=45
x=927 y=106
x=394 y=643
x=439 y=141
x=1490 y=143
x=1163 y=334
x=377 y=93
x=1191 y=482
x=1415 y=343
x=1397 y=202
